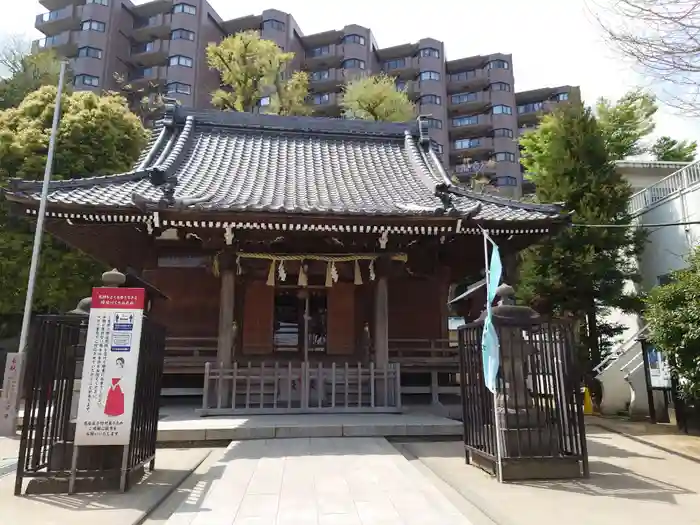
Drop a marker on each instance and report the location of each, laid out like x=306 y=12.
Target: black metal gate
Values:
x=540 y=429
x=54 y=359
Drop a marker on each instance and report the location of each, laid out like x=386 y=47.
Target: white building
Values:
x=668 y=193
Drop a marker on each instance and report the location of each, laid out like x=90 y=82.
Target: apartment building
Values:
x=472 y=111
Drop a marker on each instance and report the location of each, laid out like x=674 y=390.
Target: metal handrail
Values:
x=616 y=354
x=671 y=185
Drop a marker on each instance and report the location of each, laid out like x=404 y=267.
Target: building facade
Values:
x=474 y=114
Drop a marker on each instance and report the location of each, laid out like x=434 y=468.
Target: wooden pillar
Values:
x=224 y=351
x=381 y=323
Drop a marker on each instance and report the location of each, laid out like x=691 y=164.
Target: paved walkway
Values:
x=314 y=481
x=630 y=483
x=661 y=435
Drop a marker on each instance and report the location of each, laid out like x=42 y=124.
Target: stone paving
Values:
x=314 y=481
x=630 y=482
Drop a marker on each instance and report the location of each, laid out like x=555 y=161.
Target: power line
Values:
x=653 y=225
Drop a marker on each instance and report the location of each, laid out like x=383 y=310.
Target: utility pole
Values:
x=14 y=366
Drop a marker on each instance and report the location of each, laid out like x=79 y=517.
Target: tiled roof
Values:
x=246 y=162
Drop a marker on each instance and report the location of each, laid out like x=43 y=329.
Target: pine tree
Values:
x=581 y=270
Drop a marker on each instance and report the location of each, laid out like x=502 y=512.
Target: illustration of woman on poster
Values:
x=114 y=405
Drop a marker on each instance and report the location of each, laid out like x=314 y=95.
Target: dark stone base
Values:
x=89 y=458
x=108 y=483
x=530 y=468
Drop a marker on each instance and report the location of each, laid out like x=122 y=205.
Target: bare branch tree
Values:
x=663 y=38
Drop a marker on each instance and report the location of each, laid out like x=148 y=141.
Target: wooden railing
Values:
x=274 y=387
x=425 y=354
x=188 y=355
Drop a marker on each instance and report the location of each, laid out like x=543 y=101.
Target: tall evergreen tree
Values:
x=582 y=269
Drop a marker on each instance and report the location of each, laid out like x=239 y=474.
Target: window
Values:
x=178 y=87
x=89 y=52
x=429 y=52
x=86 y=80
x=432 y=123
x=93 y=25
x=180 y=60
x=430 y=75
x=501 y=110
x=185 y=8
x=467 y=143
x=460 y=98
x=503 y=132
x=273 y=24
x=401 y=85
x=463 y=75
x=431 y=99
x=182 y=34
x=264 y=101
x=319 y=51
x=561 y=97
x=353 y=63
x=504 y=156
x=397 y=63
x=321 y=98
x=499 y=86
x=354 y=39
x=506 y=181
x=98 y=2
x=465 y=121
x=497 y=64
x=320 y=75
x=436 y=146
x=530 y=108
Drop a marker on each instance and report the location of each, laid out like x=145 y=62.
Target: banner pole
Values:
x=499 y=451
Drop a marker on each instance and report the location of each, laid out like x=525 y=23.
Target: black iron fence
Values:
x=53 y=365
x=533 y=427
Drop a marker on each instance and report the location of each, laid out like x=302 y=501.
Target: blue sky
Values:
x=551 y=44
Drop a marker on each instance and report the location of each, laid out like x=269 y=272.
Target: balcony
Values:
x=470 y=126
x=152 y=28
x=530 y=114
x=465 y=170
x=326 y=104
x=412 y=88
x=62 y=43
x=330 y=55
x=324 y=79
x=469 y=80
x=53 y=5
x=155 y=74
x=150 y=53
x=407 y=67
x=59 y=20
x=475 y=147
x=469 y=101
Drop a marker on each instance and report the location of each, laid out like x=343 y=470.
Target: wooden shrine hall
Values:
x=307 y=261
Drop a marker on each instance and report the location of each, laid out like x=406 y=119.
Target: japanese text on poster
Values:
x=108 y=383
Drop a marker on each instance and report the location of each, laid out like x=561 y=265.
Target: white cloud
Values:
x=551 y=44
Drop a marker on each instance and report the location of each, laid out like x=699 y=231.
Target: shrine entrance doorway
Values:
x=300 y=322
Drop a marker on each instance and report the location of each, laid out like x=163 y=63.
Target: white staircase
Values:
x=622 y=378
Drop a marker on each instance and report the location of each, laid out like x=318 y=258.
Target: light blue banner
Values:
x=490 y=346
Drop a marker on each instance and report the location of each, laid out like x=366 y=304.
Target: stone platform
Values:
x=181 y=424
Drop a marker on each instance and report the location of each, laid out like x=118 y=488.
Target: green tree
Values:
x=22 y=72
x=377 y=98
x=97 y=136
x=626 y=123
x=146 y=102
x=673 y=313
x=666 y=148
x=252 y=68
x=581 y=270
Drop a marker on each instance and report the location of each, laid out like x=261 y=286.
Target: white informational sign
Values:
x=108 y=383
x=9 y=400
x=659 y=371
